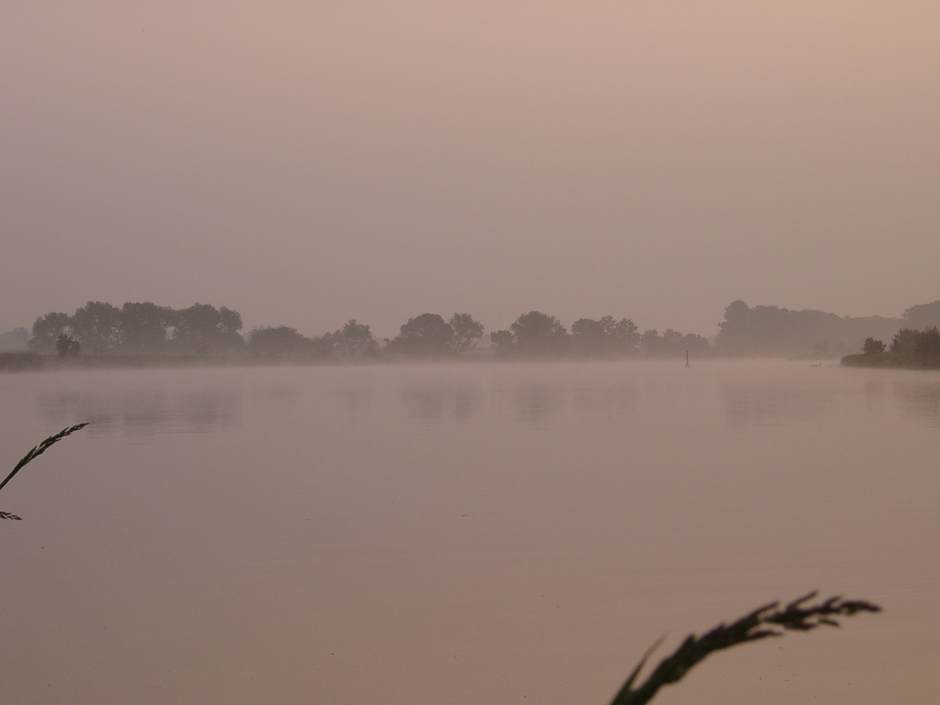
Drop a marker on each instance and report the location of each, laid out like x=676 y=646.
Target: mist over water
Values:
x=235 y=184
x=464 y=534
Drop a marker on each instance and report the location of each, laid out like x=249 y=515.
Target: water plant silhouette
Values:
x=34 y=453
x=765 y=622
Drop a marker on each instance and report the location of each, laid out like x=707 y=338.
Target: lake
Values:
x=468 y=534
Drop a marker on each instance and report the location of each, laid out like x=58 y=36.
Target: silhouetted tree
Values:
x=871 y=346
x=771 y=330
x=922 y=316
x=355 y=341
x=97 y=325
x=67 y=346
x=904 y=343
x=606 y=336
x=672 y=343
x=467 y=332
x=622 y=336
x=145 y=327
x=735 y=333
x=202 y=329
x=909 y=347
x=325 y=346
x=696 y=344
x=928 y=343
x=230 y=323
x=501 y=341
x=47 y=329
x=587 y=337
x=278 y=341
x=138 y=328
x=651 y=342
x=536 y=333
x=427 y=334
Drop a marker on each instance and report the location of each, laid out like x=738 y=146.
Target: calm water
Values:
x=464 y=535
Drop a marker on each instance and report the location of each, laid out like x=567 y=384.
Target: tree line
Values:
x=772 y=330
x=909 y=347
x=536 y=334
x=431 y=336
x=100 y=329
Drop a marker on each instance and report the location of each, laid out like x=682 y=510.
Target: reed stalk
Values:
x=767 y=621
x=34 y=453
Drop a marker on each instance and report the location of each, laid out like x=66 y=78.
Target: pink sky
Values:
x=310 y=162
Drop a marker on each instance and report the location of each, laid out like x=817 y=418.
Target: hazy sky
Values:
x=308 y=162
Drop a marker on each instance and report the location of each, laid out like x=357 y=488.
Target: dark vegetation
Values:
x=98 y=328
x=100 y=333
x=770 y=330
x=146 y=331
x=536 y=334
x=34 y=453
x=765 y=622
x=354 y=341
x=909 y=348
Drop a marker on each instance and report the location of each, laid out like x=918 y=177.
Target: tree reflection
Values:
x=146 y=412
x=535 y=402
x=434 y=403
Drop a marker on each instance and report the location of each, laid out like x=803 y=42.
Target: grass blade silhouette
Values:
x=34 y=453
x=765 y=622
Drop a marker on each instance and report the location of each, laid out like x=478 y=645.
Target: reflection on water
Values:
x=535 y=401
x=615 y=399
x=539 y=401
x=464 y=534
x=145 y=411
x=435 y=403
x=747 y=400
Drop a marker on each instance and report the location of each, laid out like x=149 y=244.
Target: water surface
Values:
x=465 y=534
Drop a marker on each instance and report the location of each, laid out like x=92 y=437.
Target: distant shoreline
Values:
x=27 y=361
x=888 y=360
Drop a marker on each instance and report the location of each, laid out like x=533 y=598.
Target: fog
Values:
x=308 y=163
